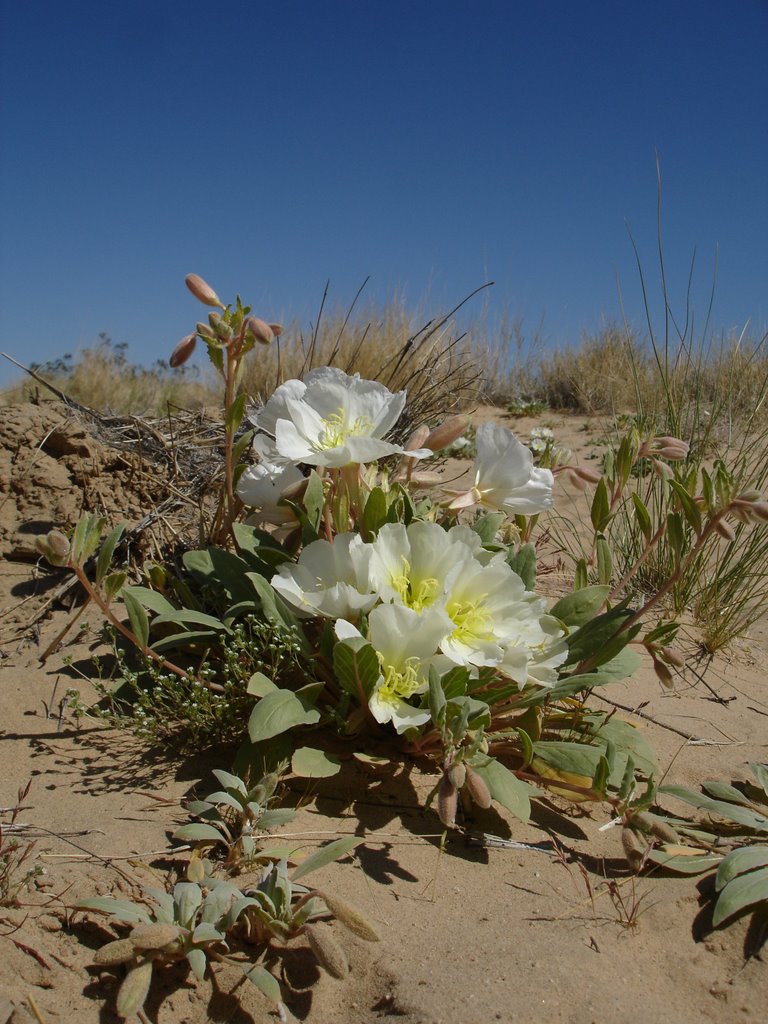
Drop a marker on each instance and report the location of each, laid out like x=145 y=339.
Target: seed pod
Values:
x=202 y=290
x=446 y=433
x=478 y=789
x=183 y=351
x=118 y=952
x=634 y=848
x=351 y=918
x=134 y=989
x=447 y=801
x=328 y=952
x=155 y=936
x=457 y=773
x=260 y=330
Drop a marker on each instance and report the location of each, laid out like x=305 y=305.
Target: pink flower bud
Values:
x=587 y=474
x=673 y=452
x=725 y=530
x=750 y=496
x=667 y=441
x=661 y=469
x=205 y=331
x=417 y=438
x=446 y=433
x=663 y=674
x=277 y=329
x=673 y=657
x=202 y=291
x=183 y=351
x=575 y=478
x=261 y=331
x=425 y=479
x=760 y=510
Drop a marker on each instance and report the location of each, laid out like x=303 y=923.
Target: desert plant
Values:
x=17 y=867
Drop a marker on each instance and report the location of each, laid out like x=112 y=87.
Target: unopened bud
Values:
x=277 y=329
x=153 y=936
x=202 y=290
x=446 y=433
x=205 y=331
x=668 y=441
x=750 y=496
x=417 y=438
x=673 y=453
x=586 y=473
x=663 y=674
x=118 y=952
x=457 y=773
x=760 y=510
x=295 y=492
x=575 y=479
x=261 y=331
x=134 y=989
x=447 y=802
x=328 y=952
x=54 y=546
x=672 y=657
x=477 y=788
x=425 y=479
x=183 y=351
x=634 y=848
x=351 y=918
x=222 y=330
x=725 y=530
x=661 y=469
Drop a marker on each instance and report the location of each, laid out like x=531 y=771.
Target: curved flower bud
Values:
x=261 y=331
x=446 y=433
x=202 y=291
x=183 y=351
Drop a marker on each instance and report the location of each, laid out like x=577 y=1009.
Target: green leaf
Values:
x=455 y=682
x=527 y=744
x=760 y=771
x=325 y=855
x=206 y=931
x=259 y=685
x=579 y=607
x=240 y=445
x=599 y=640
x=690 y=509
x=722 y=791
x=259 y=548
x=276 y=818
x=277 y=713
x=676 y=533
x=604 y=560
x=274 y=607
x=184 y=615
x=151 y=599
x=123 y=910
x=222 y=570
x=682 y=864
x=197 y=961
x=523 y=562
x=356 y=666
x=437 y=701
x=113 y=585
x=104 y=561
x=741 y=892
x=137 y=618
x=191 y=640
x=488 y=525
x=310 y=763
x=235 y=412
x=580 y=575
x=565 y=756
x=600 y=511
x=732 y=812
x=229 y=781
x=506 y=789
x=642 y=516
x=375 y=511
x=198 y=831
x=739 y=862
x=314 y=501
x=264 y=982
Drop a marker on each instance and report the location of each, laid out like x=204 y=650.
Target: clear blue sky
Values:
x=431 y=145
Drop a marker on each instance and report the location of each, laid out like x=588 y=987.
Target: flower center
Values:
x=471 y=620
x=416 y=595
x=398 y=685
x=336 y=430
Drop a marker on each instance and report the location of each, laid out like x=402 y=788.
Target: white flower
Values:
x=332 y=419
x=329 y=579
x=534 y=652
x=505 y=476
x=405 y=642
x=261 y=486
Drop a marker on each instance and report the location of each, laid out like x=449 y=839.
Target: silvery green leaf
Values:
x=187 y=896
x=207 y=932
x=739 y=862
x=123 y=910
x=741 y=892
x=198 y=963
x=325 y=855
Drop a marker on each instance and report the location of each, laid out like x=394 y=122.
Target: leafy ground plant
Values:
x=729 y=838
x=207 y=920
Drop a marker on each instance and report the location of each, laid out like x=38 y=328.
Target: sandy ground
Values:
x=468 y=935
